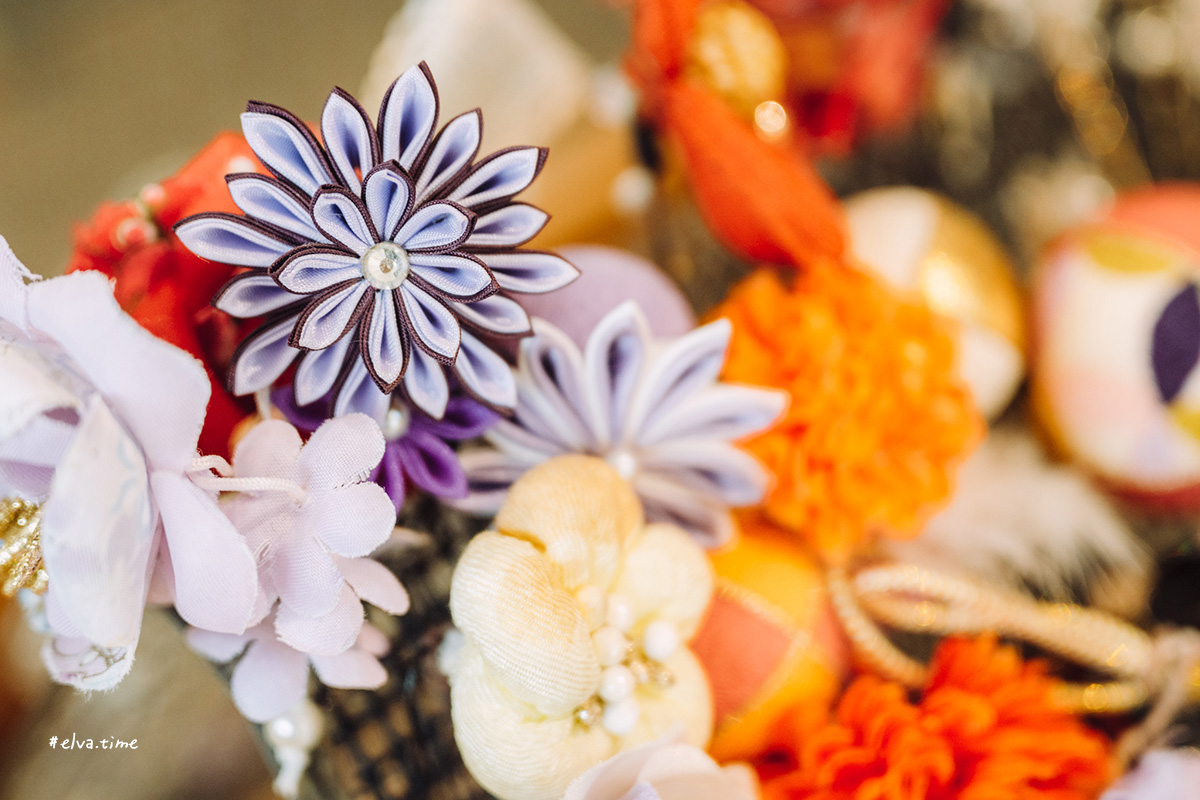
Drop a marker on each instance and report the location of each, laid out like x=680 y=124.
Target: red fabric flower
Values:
x=161 y=284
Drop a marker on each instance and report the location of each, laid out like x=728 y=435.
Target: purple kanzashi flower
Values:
x=655 y=409
x=384 y=256
x=417 y=449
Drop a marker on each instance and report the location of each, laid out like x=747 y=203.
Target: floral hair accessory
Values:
x=878 y=419
x=98 y=426
x=1160 y=775
x=573 y=615
x=664 y=770
x=987 y=726
x=312 y=522
x=654 y=409
x=377 y=252
x=417 y=450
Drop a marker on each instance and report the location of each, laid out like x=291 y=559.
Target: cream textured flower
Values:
x=573 y=613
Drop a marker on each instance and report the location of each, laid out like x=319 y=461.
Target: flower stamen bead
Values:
x=385 y=265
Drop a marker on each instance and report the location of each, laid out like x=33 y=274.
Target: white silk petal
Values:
x=425 y=383
x=453 y=150
x=511 y=225
x=318 y=371
x=499 y=176
x=342 y=451
x=329 y=319
x=616 y=355
x=348 y=138
x=263 y=356
x=408 y=116
x=309 y=272
x=282 y=146
x=353 y=669
x=375 y=584
x=252 y=294
x=270 y=679
x=485 y=374
x=432 y=323
x=262 y=198
x=230 y=240
x=352 y=520
x=324 y=635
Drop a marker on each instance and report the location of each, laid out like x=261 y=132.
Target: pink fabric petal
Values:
x=269 y=680
x=375 y=584
x=216 y=578
x=220 y=647
x=269 y=449
x=325 y=635
x=352 y=520
x=158 y=391
x=342 y=451
x=306 y=578
x=353 y=669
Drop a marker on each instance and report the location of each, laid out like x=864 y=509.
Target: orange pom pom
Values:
x=986 y=729
x=877 y=419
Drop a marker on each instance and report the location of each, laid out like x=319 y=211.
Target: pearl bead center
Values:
x=385 y=265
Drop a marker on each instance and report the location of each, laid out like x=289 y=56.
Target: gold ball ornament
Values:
x=922 y=244
x=736 y=51
x=1116 y=323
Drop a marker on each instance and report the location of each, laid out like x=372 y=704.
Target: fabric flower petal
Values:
x=722 y=411
x=324 y=635
x=375 y=584
x=450 y=154
x=689 y=363
x=349 y=138
x=219 y=647
x=216 y=579
x=385 y=351
x=530 y=271
x=352 y=520
x=273 y=202
x=495 y=314
x=269 y=449
x=435 y=329
x=435 y=227
x=432 y=464
x=710 y=467
x=464 y=419
x=485 y=374
x=408 y=116
x=341 y=452
x=388 y=194
x=509 y=226
x=230 y=239
x=343 y=218
x=262 y=357
x=489 y=474
x=614 y=359
x=252 y=294
x=500 y=176
x=286 y=146
x=458 y=276
x=306 y=578
x=315 y=268
x=269 y=680
x=353 y=669
x=318 y=371
x=358 y=394
x=329 y=316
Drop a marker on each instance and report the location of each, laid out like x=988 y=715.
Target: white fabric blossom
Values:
x=654 y=409
x=99 y=422
x=664 y=770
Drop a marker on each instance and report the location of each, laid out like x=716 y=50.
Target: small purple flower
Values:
x=382 y=256
x=417 y=448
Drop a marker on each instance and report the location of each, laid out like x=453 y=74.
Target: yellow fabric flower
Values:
x=573 y=612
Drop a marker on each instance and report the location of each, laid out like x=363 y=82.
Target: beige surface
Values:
x=97 y=98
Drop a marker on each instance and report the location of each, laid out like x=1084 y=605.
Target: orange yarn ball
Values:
x=878 y=418
x=987 y=728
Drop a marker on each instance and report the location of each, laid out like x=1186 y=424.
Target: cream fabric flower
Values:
x=573 y=611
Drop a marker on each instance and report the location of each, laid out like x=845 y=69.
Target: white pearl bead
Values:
x=591 y=601
x=624 y=462
x=611 y=646
x=619 y=613
x=300 y=727
x=395 y=423
x=661 y=640
x=621 y=717
x=385 y=265
x=616 y=683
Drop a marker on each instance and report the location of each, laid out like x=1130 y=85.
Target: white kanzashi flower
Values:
x=655 y=410
x=312 y=517
x=574 y=615
x=99 y=422
x=664 y=770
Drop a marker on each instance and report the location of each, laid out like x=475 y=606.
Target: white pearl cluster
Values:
x=610 y=618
